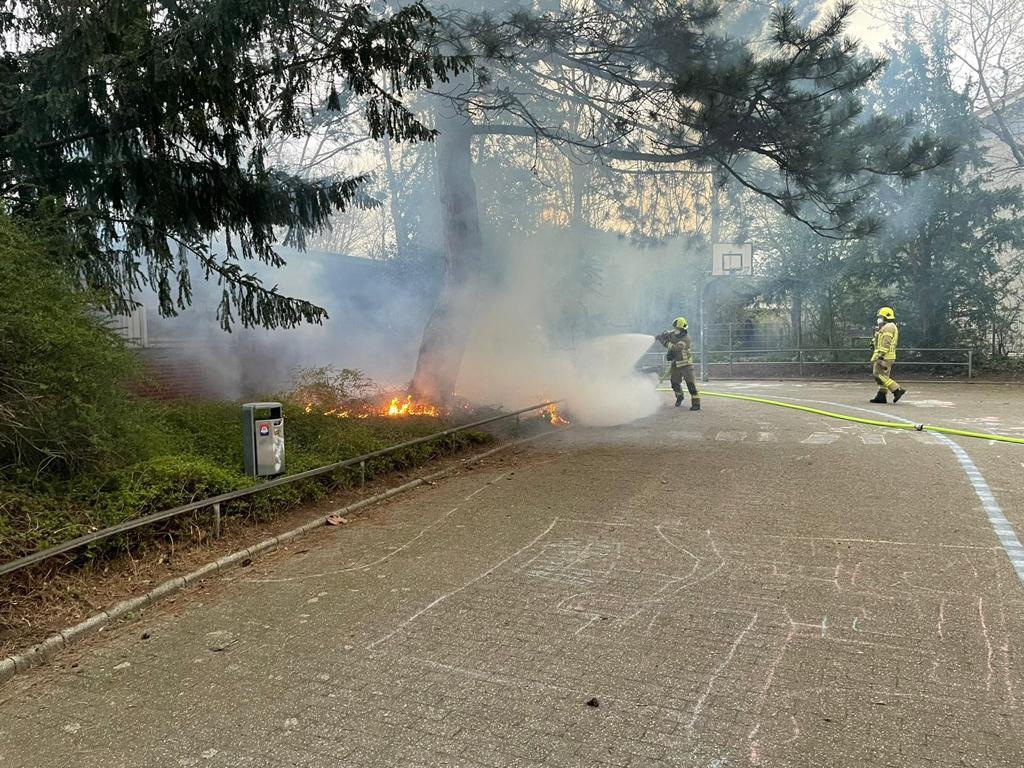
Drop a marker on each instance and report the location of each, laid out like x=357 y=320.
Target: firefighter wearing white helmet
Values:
x=884 y=356
x=676 y=341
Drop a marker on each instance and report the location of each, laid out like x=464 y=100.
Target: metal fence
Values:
x=742 y=336
x=214 y=503
x=816 y=362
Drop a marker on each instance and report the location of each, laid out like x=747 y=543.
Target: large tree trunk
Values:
x=931 y=301
x=444 y=339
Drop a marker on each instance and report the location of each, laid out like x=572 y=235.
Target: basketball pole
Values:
x=716 y=226
x=703 y=336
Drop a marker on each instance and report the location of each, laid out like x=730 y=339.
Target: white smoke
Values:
x=374 y=325
x=538 y=333
x=598 y=380
x=519 y=352
x=602 y=386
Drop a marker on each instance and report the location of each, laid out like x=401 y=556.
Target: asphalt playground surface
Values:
x=743 y=586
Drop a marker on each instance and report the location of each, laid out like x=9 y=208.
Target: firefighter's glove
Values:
x=668 y=356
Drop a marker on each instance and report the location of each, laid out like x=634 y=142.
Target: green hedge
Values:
x=205 y=460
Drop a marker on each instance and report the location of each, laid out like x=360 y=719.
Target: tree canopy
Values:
x=666 y=83
x=948 y=256
x=985 y=41
x=952 y=242
x=147 y=125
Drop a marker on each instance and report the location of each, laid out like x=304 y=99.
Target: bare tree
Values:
x=987 y=42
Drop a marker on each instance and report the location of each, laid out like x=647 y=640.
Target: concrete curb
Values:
x=51 y=646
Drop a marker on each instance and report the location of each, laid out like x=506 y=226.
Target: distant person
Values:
x=884 y=356
x=748 y=333
x=677 y=342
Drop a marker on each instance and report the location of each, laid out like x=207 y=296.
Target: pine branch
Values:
x=148 y=122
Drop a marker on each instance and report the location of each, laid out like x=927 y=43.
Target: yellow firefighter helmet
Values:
x=886 y=313
x=680 y=323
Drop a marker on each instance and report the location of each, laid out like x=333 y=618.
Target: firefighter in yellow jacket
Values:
x=677 y=342
x=884 y=356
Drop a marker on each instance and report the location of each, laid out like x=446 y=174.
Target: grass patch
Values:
x=194 y=453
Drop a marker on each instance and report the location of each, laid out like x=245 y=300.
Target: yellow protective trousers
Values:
x=882 y=372
x=680 y=373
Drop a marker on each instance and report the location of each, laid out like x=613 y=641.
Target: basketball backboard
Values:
x=733 y=259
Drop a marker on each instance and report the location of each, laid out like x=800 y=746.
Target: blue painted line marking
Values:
x=1002 y=527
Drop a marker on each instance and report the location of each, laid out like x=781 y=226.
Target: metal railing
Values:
x=740 y=336
x=810 y=357
x=214 y=502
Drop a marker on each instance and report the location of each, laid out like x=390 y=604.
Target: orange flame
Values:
x=410 y=408
x=395 y=408
x=554 y=416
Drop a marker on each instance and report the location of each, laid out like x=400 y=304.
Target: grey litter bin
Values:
x=263 y=439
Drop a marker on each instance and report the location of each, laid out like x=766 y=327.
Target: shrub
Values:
x=325 y=387
x=62 y=392
x=203 y=459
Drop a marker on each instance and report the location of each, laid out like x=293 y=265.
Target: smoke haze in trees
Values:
x=561 y=320
x=377 y=310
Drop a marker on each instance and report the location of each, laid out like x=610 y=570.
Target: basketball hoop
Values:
x=728 y=260
x=732 y=259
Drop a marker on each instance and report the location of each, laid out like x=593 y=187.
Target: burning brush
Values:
x=553 y=416
x=345 y=393
x=409 y=407
x=394 y=408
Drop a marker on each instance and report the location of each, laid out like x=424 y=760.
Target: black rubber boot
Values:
x=679 y=400
x=695 y=405
x=878 y=398
x=898 y=394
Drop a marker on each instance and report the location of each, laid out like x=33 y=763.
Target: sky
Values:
x=868 y=29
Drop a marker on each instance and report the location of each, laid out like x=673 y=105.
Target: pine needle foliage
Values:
x=148 y=124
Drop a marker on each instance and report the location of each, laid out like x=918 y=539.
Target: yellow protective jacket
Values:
x=678 y=345
x=886 y=339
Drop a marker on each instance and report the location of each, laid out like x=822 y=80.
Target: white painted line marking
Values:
x=389 y=555
x=467 y=585
x=699 y=706
x=821 y=438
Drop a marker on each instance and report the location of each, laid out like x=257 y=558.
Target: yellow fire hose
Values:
x=859 y=420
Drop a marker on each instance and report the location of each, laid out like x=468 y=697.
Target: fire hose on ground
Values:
x=907 y=425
